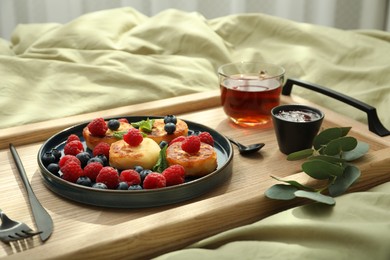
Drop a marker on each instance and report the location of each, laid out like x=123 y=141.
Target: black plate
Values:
x=137 y=198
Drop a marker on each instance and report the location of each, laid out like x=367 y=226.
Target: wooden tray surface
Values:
x=82 y=231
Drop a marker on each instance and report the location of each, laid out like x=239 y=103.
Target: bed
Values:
x=119 y=57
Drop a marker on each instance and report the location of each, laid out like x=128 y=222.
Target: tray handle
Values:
x=374 y=124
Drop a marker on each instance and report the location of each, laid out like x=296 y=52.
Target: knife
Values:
x=42 y=219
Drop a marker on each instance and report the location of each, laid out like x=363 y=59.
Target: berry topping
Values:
x=101 y=148
x=99 y=185
x=48 y=158
x=131 y=177
x=123 y=120
x=122 y=186
x=178 y=139
x=109 y=176
x=83 y=158
x=53 y=168
x=68 y=158
x=85 y=181
x=135 y=187
x=191 y=144
x=96 y=159
x=170 y=119
x=133 y=137
x=56 y=153
x=73 y=147
x=92 y=170
x=174 y=175
x=72 y=137
x=162 y=144
x=113 y=124
x=170 y=128
x=154 y=180
x=71 y=171
x=205 y=137
x=98 y=127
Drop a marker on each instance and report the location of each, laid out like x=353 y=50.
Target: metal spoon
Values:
x=247 y=149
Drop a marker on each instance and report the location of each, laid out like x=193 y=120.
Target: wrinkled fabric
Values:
x=120 y=57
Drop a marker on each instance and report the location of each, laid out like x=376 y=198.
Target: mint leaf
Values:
x=144 y=125
x=119 y=134
x=162 y=162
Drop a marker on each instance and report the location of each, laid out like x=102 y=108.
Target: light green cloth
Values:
x=358 y=227
x=120 y=57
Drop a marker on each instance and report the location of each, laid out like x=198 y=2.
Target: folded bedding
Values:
x=119 y=57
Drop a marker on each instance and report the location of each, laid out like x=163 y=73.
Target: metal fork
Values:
x=11 y=230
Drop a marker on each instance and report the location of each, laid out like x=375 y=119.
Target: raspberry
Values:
x=132 y=177
x=71 y=171
x=109 y=176
x=174 y=174
x=123 y=120
x=177 y=139
x=73 y=147
x=205 y=137
x=92 y=170
x=72 y=137
x=101 y=148
x=68 y=158
x=191 y=144
x=133 y=137
x=154 y=180
x=98 y=127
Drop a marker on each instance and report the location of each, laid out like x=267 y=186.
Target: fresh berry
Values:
x=154 y=180
x=48 y=158
x=72 y=137
x=170 y=128
x=73 y=147
x=131 y=177
x=103 y=158
x=138 y=168
x=92 y=170
x=101 y=148
x=178 y=139
x=56 y=153
x=84 y=180
x=144 y=173
x=174 y=174
x=96 y=159
x=68 y=158
x=99 y=185
x=83 y=158
x=135 y=187
x=122 y=186
x=205 y=137
x=109 y=176
x=191 y=144
x=71 y=171
x=54 y=169
x=123 y=120
x=98 y=127
x=113 y=124
x=162 y=144
x=133 y=137
x=170 y=119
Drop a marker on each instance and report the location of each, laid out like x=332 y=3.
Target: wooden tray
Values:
x=82 y=231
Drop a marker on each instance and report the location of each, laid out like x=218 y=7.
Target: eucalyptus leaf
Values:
x=325 y=136
x=331 y=159
x=295 y=184
x=346 y=143
x=321 y=170
x=300 y=154
x=342 y=183
x=360 y=149
x=316 y=196
x=281 y=192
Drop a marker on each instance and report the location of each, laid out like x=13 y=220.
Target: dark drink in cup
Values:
x=249 y=90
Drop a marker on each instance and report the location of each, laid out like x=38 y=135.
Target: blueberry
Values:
x=48 y=158
x=56 y=153
x=113 y=124
x=122 y=186
x=103 y=158
x=170 y=128
x=163 y=144
x=138 y=168
x=99 y=185
x=54 y=168
x=143 y=174
x=85 y=181
x=95 y=159
x=83 y=157
x=170 y=119
x=135 y=187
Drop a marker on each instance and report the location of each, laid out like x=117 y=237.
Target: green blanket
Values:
x=120 y=57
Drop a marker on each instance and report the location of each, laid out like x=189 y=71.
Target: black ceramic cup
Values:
x=296 y=126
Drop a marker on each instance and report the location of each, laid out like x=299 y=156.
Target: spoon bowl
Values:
x=243 y=149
